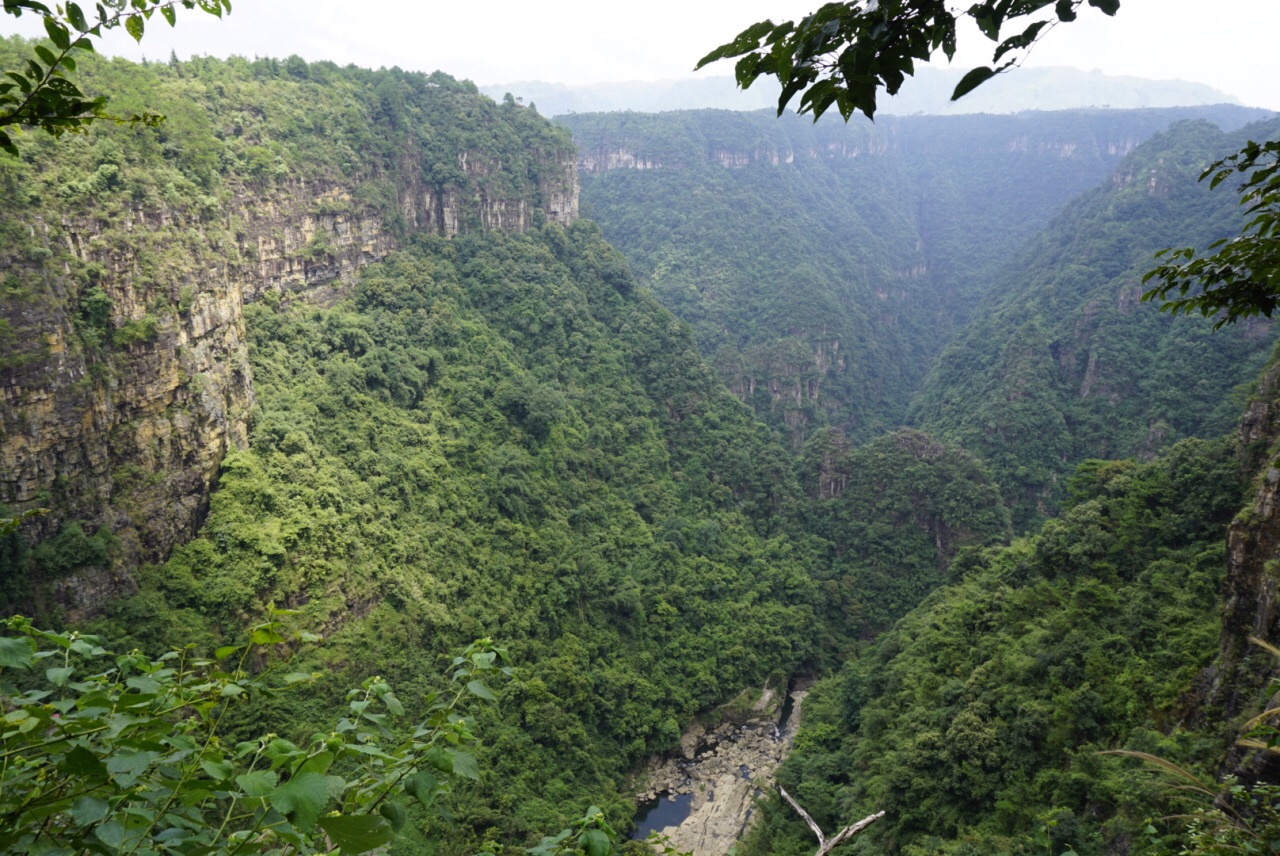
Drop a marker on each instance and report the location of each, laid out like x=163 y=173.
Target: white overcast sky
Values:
x=1228 y=44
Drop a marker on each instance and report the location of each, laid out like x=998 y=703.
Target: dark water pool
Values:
x=660 y=812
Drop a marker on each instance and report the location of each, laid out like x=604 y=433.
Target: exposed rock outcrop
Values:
x=1253 y=560
x=723 y=768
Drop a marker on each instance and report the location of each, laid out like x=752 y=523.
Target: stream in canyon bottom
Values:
x=701 y=799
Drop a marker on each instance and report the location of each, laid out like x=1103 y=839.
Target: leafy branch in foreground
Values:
x=844 y=53
x=1241 y=278
x=124 y=754
x=40 y=95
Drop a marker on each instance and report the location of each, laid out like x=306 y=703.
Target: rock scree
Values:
x=723 y=767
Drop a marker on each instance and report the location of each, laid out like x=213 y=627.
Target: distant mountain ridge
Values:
x=824 y=266
x=929 y=92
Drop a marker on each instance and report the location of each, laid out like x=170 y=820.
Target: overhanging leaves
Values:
x=358 y=833
x=844 y=53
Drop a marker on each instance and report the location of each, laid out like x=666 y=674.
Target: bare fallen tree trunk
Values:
x=826 y=845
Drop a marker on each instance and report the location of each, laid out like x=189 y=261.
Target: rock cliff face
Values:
x=124 y=375
x=1253 y=560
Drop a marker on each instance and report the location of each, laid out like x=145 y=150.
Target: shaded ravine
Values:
x=702 y=799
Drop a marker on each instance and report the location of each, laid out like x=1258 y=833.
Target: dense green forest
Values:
x=1062 y=361
x=467 y=449
x=822 y=266
x=498 y=434
x=333 y=340
x=978 y=718
x=823 y=286
x=892 y=515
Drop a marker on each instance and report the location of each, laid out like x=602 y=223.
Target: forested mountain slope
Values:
x=1062 y=362
x=892 y=515
x=499 y=436
x=410 y=396
x=129 y=254
x=823 y=266
x=336 y=340
x=976 y=722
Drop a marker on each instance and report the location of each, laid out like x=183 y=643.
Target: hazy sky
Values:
x=1228 y=44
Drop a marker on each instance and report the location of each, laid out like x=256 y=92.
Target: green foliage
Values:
x=40 y=94
x=1062 y=362
x=136 y=331
x=71 y=548
x=976 y=720
x=844 y=53
x=893 y=514
x=499 y=435
x=232 y=125
x=823 y=267
x=128 y=754
x=1241 y=278
x=1239 y=820
x=591 y=835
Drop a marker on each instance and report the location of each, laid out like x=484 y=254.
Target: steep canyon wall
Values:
x=124 y=375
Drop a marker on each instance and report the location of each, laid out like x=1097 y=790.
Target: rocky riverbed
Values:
x=722 y=767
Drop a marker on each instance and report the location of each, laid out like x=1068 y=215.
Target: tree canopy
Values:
x=1241 y=278
x=843 y=54
x=39 y=93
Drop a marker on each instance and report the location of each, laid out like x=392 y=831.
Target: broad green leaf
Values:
x=219 y=771
x=224 y=652
x=394 y=813
x=318 y=763
x=422 y=786
x=265 y=636
x=357 y=833
x=16 y=653
x=258 y=783
x=393 y=704
x=302 y=799
x=130 y=763
x=83 y=764
x=465 y=765
x=478 y=689
x=76 y=17
x=441 y=759
x=58 y=677
x=57 y=33
x=971 y=81
x=89 y=810
x=169 y=15
x=134 y=25
x=110 y=834
x=21 y=80
x=143 y=685
x=594 y=842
